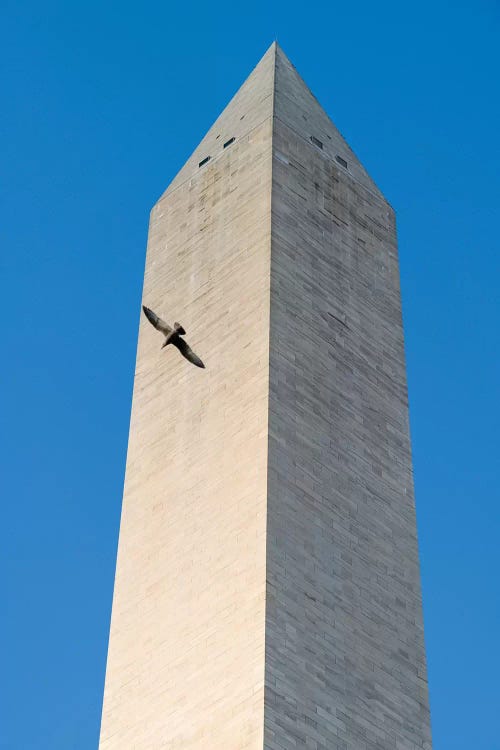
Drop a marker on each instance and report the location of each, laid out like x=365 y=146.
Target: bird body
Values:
x=173 y=336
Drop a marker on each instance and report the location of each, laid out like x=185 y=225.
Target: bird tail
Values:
x=168 y=338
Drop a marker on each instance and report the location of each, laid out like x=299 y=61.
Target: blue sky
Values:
x=102 y=104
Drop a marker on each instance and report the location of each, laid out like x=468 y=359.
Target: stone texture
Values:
x=345 y=660
x=267 y=588
x=186 y=654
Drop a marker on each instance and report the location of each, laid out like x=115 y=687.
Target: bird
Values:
x=173 y=336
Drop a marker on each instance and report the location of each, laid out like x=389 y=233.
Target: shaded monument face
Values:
x=267 y=589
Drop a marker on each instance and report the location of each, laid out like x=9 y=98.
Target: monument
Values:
x=267 y=592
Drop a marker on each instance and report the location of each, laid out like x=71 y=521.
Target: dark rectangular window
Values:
x=204 y=161
x=316 y=142
x=341 y=161
x=228 y=143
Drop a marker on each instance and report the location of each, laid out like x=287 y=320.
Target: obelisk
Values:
x=267 y=591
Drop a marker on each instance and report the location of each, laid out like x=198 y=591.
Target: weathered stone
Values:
x=267 y=589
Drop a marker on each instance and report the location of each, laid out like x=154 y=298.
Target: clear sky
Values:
x=101 y=105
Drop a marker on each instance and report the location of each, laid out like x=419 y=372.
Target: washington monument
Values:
x=267 y=592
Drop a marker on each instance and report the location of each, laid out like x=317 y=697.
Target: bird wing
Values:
x=158 y=323
x=186 y=351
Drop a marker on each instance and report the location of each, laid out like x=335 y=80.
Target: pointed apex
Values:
x=251 y=104
x=274 y=88
x=297 y=108
x=269 y=53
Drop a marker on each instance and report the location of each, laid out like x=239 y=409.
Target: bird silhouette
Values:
x=173 y=336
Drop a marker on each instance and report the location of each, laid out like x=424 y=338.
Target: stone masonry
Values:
x=267 y=592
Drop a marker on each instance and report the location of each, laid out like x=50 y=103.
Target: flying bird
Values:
x=173 y=336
